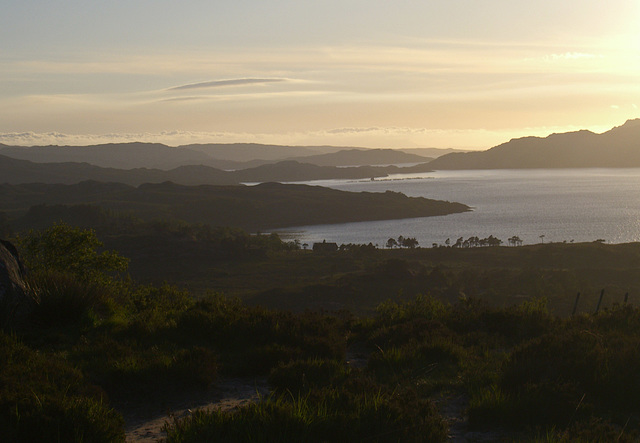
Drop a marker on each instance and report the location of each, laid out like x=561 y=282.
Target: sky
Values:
x=465 y=74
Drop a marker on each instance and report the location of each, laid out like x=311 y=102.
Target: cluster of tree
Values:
x=402 y=242
x=356 y=247
x=472 y=242
x=273 y=242
x=514 y=241
x=70 y=250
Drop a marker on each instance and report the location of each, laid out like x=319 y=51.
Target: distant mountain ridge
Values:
x=16 y=171
x=112 y=155
x=616 y=148
x=246 y=152
x=360 y=157
x=220 y=156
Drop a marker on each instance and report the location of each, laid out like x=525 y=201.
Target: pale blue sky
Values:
x=444 y=73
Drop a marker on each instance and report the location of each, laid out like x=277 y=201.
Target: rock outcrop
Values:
x=15 y=302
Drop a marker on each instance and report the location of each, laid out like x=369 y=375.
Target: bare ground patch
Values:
x=144 y=421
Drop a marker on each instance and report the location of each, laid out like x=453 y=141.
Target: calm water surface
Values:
x=561 y=204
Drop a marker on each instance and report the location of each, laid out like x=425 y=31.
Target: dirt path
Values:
x=144 y=422
x=453 y=408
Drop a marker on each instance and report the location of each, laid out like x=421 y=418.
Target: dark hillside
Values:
x=16 y=171
x=112 y=155
x=23 y=171
x=266 y=206
x=243 y=152
x=617 y=148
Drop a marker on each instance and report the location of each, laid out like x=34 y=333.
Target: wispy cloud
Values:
x=185 y=99
x=351 y=130
x=173 y=138
x=225 y=83
x=377 y=130
x=574 y=56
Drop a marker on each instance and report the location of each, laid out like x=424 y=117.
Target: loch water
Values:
x=550 y=205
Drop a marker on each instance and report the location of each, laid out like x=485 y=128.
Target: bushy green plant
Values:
x=126 y=367
x=410 y=330
x=260 y=339
x=414 y=361
x=598 y=430
x=43 y=398
x=62 y=300
x=303 y=375
x=580 y=369
x=598 y=363
x=341 y=415
x=153 y=309
x=518 y=323
x=423 y=306
x=61 y=419
x=71 y=250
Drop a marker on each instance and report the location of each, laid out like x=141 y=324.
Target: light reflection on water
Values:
x=561 y=204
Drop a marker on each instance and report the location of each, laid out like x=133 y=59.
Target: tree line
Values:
x=402 y=242
x=477 y=242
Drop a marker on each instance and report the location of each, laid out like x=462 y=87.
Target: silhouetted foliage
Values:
x=71 y=250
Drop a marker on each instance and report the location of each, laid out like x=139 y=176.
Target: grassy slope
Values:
x=359 y=280
x=520 y=369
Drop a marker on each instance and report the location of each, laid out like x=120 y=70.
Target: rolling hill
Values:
x=112 y=155
x=261 y=207
x=16 y=171
x=246 y=152
x=220 y=156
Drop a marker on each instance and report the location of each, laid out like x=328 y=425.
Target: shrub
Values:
x=62 y=300
x=417 y=360
x=255 y=340
x=303 y=375
x=423 y=307
x=600 y=364
x=61 y=419
x=125 y=367
x=156 y=309
x=340 y=415
x=42 y=398
x=70 y=250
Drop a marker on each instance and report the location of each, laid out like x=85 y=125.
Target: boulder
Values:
x=15 y=300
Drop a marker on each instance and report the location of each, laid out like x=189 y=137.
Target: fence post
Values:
x=626 y=298
x=600 y=301
x=575 y=305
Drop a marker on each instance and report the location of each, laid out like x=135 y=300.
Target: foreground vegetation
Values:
x=517 y=372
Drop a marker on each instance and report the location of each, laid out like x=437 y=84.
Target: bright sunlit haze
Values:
x=446 y=74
